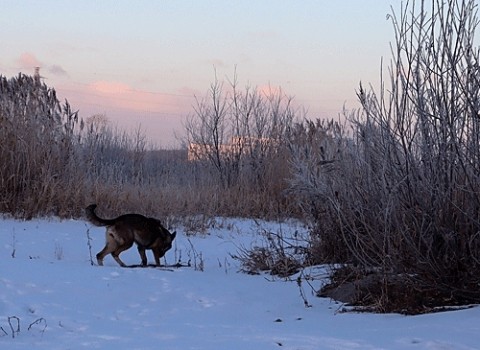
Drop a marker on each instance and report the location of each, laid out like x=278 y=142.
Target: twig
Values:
x=38 y=321
x=14 y=241
x=14 y=330
x=89 y=245
x=302 y=294
x=200 y=266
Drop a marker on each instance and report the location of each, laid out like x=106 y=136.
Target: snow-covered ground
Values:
x=60 y=301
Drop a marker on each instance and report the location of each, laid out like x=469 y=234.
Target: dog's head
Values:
x=167 y=241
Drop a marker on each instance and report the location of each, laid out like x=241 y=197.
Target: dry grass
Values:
x=55 y=164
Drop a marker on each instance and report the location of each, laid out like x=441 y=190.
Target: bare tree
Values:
x=206 y=130
x=236 y=131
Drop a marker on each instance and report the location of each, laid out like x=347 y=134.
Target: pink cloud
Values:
x=159 y=113
x=116 y=95
x=109 y=87
x=28 y=60
x=113 y=97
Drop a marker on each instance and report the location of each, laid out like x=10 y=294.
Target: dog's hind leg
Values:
x=110 y=246
x=118 y=250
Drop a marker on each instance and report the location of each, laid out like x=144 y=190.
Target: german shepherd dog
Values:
x=123 y=231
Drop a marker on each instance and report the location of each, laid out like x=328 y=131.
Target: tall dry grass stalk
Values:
x=36 y=148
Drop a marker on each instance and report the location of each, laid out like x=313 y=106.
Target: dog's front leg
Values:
x=157 y=255
x=143 y=256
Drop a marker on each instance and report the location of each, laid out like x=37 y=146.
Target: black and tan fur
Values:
x=123 y=231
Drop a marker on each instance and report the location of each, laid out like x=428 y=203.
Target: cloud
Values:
x=159 y=113
x=28 y=60
x=115 y=96
x=57 y=70
x=110 y=88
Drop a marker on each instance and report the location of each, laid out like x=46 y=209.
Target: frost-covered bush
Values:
x=401 y=195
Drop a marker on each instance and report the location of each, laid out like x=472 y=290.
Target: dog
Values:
x=123 y=231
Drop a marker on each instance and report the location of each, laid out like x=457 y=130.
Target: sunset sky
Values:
x=142 y=62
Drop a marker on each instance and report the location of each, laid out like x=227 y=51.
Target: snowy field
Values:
x=51 y=297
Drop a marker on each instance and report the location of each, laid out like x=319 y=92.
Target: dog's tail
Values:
x=94 y=219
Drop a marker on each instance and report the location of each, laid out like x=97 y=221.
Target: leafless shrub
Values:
x=254 y=260
x=319 y=148
x=279 y=256
x=402 y=197
x=198 y=224
x=195 y=258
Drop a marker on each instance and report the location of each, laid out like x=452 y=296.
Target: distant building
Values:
x=238 y=146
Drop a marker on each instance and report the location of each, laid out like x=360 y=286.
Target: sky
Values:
x=142 y=63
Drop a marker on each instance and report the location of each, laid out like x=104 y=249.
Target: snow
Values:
x=60 y=301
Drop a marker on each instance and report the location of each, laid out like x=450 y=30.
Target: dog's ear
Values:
x=173 y=235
